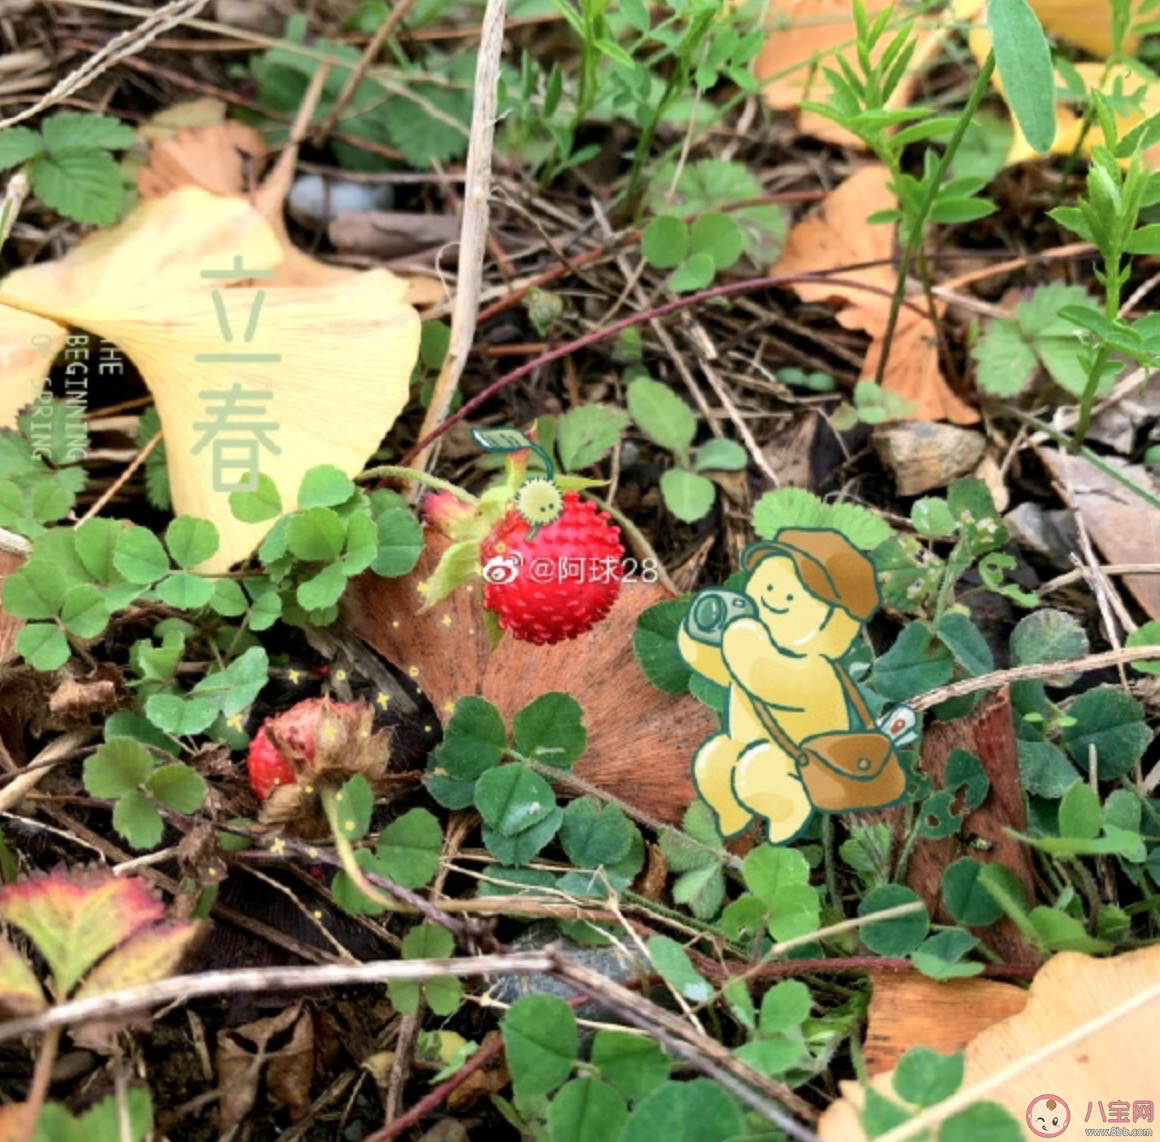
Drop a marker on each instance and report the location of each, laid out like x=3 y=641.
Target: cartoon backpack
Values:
x=843 y=770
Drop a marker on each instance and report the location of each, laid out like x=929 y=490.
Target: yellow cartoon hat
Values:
x=829 y=565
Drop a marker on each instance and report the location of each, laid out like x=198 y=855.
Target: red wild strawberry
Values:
x=282 y=750
x=557 y=582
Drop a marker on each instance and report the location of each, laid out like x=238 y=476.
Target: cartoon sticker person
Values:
x=1048 y=1116
x=776 y=648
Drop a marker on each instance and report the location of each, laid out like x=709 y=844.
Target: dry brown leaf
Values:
x=1069 y=1041
x=640 y=740
x=282 y=1047
x=1122 y=525
x=907 y=1008
x=838 y=235
x=806 y=36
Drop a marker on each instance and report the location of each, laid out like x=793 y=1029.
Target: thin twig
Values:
x=249 y=981
x=1038 y=670
x=474 y=227
x=126 y=44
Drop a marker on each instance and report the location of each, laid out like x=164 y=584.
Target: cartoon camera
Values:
x=713 y=610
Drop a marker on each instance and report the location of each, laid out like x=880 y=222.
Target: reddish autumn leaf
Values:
x=150 y=955
x=75 y=918
x=20 y=990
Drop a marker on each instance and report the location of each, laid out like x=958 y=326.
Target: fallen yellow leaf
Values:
x=326 y=368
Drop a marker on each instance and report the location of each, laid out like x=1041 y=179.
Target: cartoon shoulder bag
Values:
x=842 y=771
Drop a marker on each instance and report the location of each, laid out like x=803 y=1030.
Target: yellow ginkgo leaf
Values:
x=1085 y=23
x=28 y=345
x=245 y=378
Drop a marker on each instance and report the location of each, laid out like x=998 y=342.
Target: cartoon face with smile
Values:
x=1048 y=1116
x=793 y=615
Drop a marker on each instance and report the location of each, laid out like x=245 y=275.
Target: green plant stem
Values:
x=1091 y=457
x=398 y=472
x=907 y=847
x=346 y=854
x=918 y=223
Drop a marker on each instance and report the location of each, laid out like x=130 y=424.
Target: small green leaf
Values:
x=939 y=956
x=140 y=557
x=82 y=185
x=898 y=937
x=18 y=145
x=784 y=1006
x=966 y=897
x=400 y=543
x=43 y=646
x=118 y=767
x=631 y=1063
x=594 y=834
x=1048 y=635
x=688 y=495
x=661 y=415
x=180 y=716
x=586 y=1109
x=315 y=534
x=654 y=641
x=84 y=611
x=551 y=730
x=136 y=818
x=323 y=589
x=474 y=740
x=257 y=506
x=1023 y=61
x=983 y=1120
x=1110 y=722
x=177 y=786
x=672 y=962
x=721 y=455
x=665 y=242
x=34 y=592
x=83 y=130
x=519 y=848
x=697 y=272
x=324 y=486
x=191 y=540
x=1146 y=635
x=718 y=236
x=916 y=662
x=511 y=798
x=443 y=995
x=228 y=599
x=696 y=1111
x=410 y=847
x=186 y=592
x=540 y=1041
x=923 y=1077
x=1079 y=813
x=966 y=642
x=585 y=435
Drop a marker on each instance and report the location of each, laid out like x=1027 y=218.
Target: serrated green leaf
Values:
x=585 y=435
x=82 y=185
x=177 y=786
x=117 y=768
x=688 y=495
x=136 y=819
x=661 y=415
x=473 y=741
x=721 y=455
x=18 y=145
x=696 y=1111
x=1111 y=723
x=83 y=130
x=595 y=835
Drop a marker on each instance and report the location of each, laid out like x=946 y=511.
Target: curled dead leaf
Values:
x=837 y=235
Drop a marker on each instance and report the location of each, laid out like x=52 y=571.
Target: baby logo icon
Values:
x=1047 y=1116
x=798 y=736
